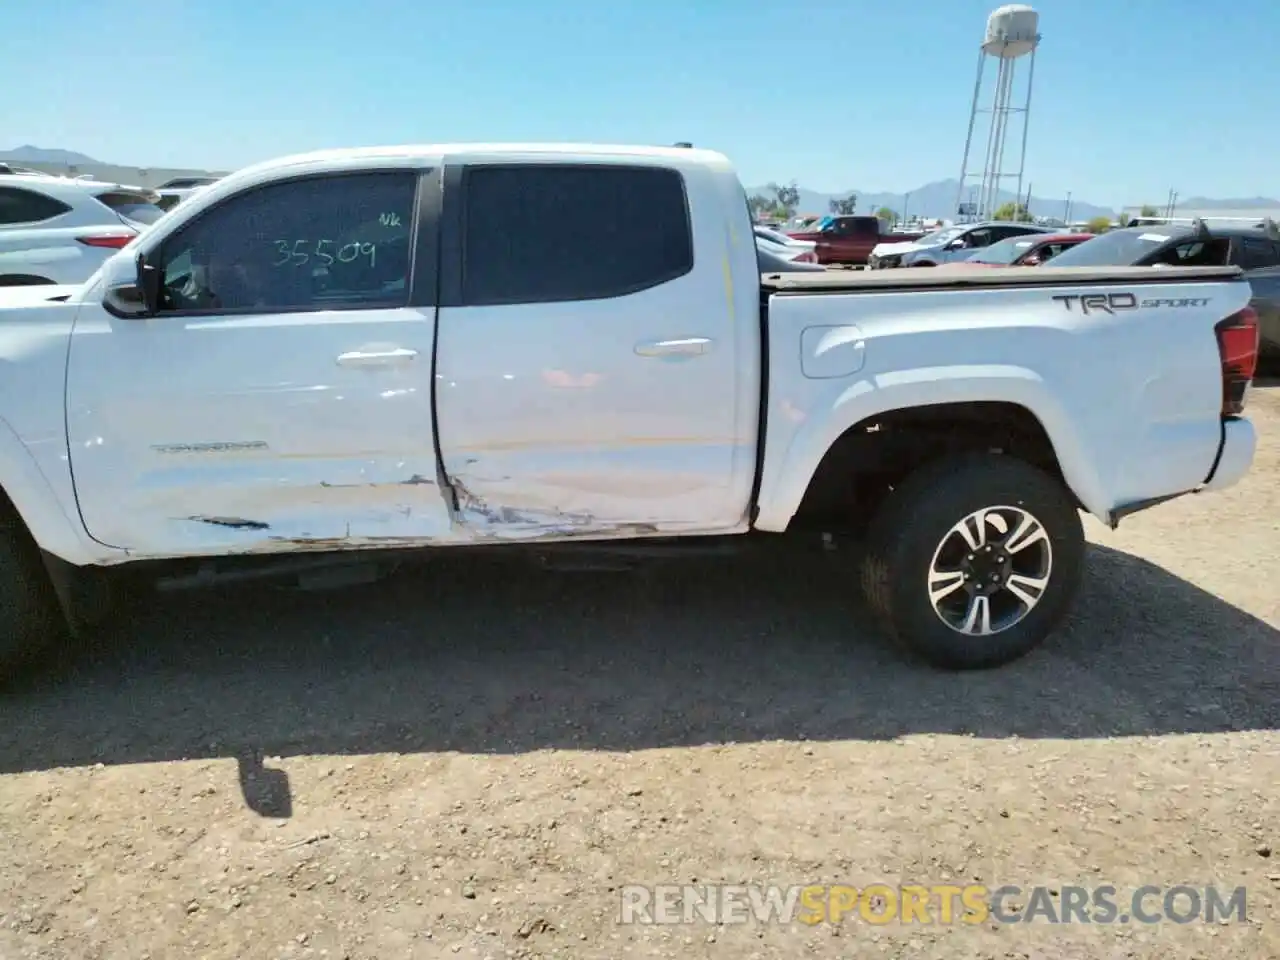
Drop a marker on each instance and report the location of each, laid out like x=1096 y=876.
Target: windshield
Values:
x=1006 y=251
x=945 y=235
x=1118 y=248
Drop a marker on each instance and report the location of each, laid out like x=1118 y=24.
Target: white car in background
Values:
x=781 y=239
x=948 y=245
x=775 y=258
x=784 y=247
x=56 y=230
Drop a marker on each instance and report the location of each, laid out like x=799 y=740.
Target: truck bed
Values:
x=941 y=278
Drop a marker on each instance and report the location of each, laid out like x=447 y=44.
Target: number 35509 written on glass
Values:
x=298 y=253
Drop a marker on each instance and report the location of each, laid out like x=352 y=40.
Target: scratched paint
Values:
x=485 y=520
x=236 y=523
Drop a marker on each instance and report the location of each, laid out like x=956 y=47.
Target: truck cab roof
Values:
x=593 y=152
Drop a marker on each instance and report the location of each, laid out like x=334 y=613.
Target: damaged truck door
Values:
x=591 y=380
x=280 y=394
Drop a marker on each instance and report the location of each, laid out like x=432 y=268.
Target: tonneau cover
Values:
x=933 y=278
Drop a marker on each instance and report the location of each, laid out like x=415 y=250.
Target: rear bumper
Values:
x=1239 y=444
x=1235 y=457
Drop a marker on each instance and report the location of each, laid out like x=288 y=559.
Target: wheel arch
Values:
x=1005 y=408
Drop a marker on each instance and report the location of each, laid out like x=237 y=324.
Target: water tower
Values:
x=1013 y=32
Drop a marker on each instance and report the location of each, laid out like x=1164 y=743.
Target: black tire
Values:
x=915 y=519
x=30 y=618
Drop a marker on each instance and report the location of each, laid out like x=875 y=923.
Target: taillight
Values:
x=113 y=240
x=1238 y=337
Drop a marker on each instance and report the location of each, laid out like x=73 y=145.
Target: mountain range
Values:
x=933 y=200
x=29 y=154
x=938 y=201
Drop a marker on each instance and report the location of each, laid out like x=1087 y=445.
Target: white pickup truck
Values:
x=440 y=347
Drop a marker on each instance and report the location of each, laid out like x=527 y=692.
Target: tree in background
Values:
x=1098 y=225
x=760 y=206
x=785 y=199
x=1148 y=211
x=844 y=205
x=887 y=215
x=1013 y=211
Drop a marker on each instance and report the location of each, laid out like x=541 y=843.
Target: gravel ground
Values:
x=471 y=758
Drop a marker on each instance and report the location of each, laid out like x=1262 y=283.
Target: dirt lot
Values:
x=470 y=759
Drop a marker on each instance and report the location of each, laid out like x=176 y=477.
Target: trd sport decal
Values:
x=1113 y=302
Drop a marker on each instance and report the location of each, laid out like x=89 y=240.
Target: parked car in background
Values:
x=798 y=251
x=1029 y=250
x=948 y=244
x=1196 y=243
x=777 y=236
x=59 y=230
x=186 y=183
x=170 y=197
x=848 y=239
x=775 y=258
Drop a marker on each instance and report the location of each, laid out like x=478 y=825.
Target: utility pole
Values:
x=1066 y=209
x=1027 y=205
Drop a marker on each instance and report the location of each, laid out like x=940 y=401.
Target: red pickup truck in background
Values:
x=849 y=239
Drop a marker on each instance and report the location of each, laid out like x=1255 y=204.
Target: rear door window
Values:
x=1013 y=230
x=28 y=206
x=1195 y=253
x=976 y=239
x=858 y=227
x=541 y=233
x=1254 y=254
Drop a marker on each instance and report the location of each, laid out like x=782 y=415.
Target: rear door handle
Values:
x=684 y=347
x=377 y=358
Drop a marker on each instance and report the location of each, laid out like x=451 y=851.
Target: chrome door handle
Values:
x=376 y=358
x=684 y=347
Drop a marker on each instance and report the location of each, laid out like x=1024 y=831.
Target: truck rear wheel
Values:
x=971 y=562
x=30 y=617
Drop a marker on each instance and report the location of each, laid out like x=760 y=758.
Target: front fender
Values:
x=799 y=438
x=53 y=524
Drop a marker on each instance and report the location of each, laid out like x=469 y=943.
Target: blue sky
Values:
x=1131 y=96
